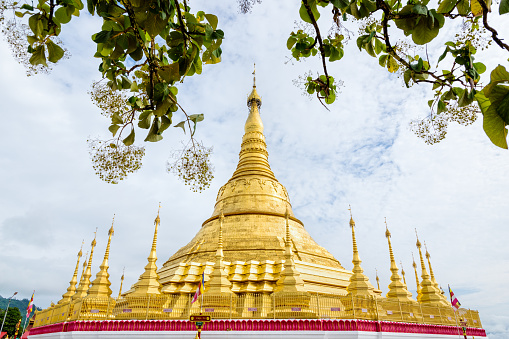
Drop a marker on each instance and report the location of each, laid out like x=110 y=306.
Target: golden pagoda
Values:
x=397 y=289
x=71 y=290
x=260 y=234
x=257 y=261
x=433 y=280
x=428 y=293
x=359 y=283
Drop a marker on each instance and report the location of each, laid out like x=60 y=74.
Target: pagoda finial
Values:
x=148 y=282
x=402 y=271
x=71 y=290
x=254 y=75
x=101 y=284
x=359 y=283
x=377 y=279
x=416 y=275
x=397 y=290
x=121 y=283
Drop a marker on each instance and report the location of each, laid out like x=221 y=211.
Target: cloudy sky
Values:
x=361 y=152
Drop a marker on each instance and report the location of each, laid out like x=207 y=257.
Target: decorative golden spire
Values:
x=82 y=290
x=218 y=282
x=377 y=279
x=71 y=290
x=416 y=275
x=148 y=282
x=428 y=294
x=433 y=280
x=101 y=285
x=290 y=279
x=359 y=283
x=397 y=290
x=253 y=157
x=121 y=282
x=402 y=272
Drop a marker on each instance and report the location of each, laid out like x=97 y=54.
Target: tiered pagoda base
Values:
x=236 y=328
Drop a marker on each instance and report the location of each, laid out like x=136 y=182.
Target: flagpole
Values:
x=458 y=326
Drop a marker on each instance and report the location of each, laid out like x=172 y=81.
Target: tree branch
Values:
x=494 y=33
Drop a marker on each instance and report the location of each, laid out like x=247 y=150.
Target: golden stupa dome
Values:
x=254 y=204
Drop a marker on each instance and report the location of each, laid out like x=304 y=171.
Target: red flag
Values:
x=199 y=290
x=30 y=306
x=454 y=301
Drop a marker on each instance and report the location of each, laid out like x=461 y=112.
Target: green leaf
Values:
x=331 y=98
x=137 y=54
x=479 y=67
x=165 y=122
x=102 y=36
x=38 y=57
x=493 y=125
x=181 y=125
x=465 y=99
x=154 y=24
x=196 y=118
x=212 y=19
x=498 y=75
x=153 y=134
x=392 y=64
x=27 y=7
x=113 y=129
x=420 y=9
x=502 y=9
x=383 y=59
x=145 y=119
x=304 y=14
x=440 y=107
x=116 y=119
x=130 y=138
x=55 y=52
x=290 y=42
x=443 y=55
x=446 y=6
x=463 y=7
x=62 y=16
x=422 y=33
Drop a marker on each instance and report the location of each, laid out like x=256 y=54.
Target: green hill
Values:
x=20 y=304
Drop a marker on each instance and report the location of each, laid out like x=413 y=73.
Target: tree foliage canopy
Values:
x=147 y=47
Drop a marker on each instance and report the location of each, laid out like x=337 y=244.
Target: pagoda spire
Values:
x=402 y=272
x=218 y=282
x=82 y=290
x=418 y=284
x=121 y=282
x=148 y=282
x=359 y=283
x=290 y=279
x=377 y=280
x=432 y=275
x=101 y=285
x=428 y=293
x=397 y=290
x=71 y=290
x=253 y=156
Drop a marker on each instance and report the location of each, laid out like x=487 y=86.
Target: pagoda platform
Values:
x=247 y=328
